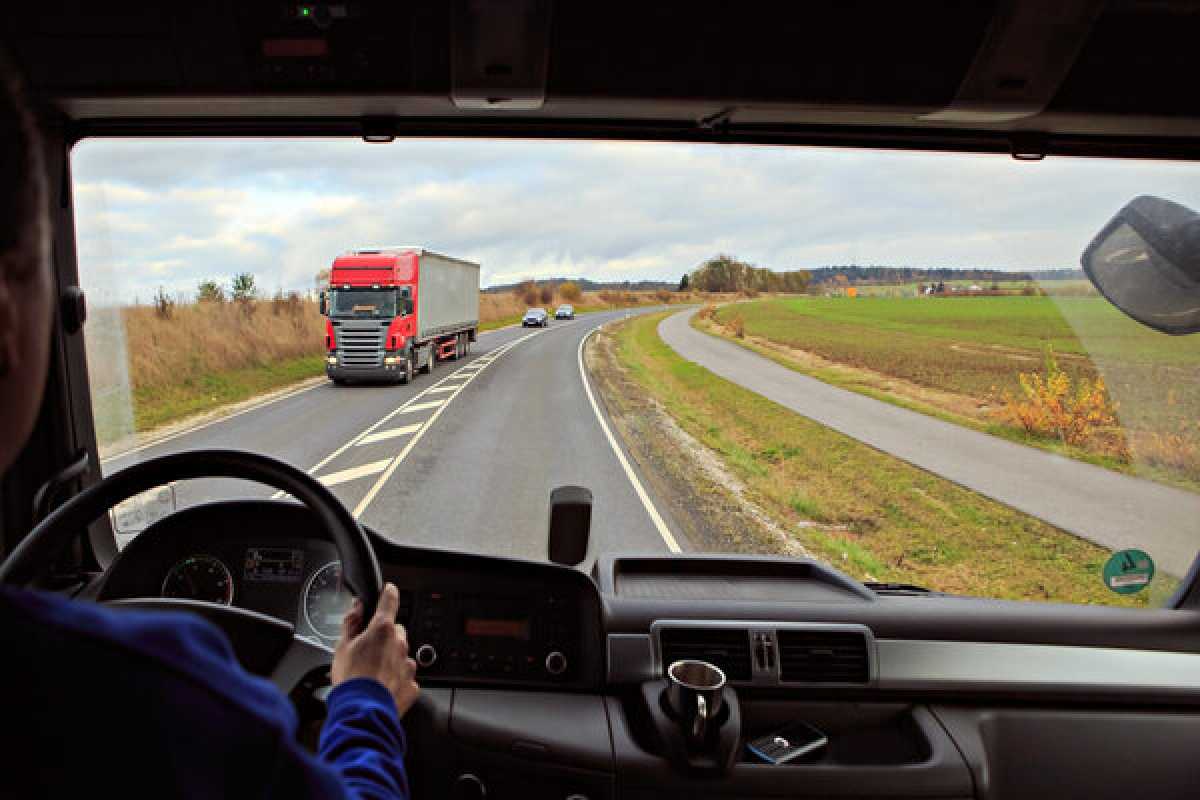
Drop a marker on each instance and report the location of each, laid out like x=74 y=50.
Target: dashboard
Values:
x=543 y=681
x=470 y=620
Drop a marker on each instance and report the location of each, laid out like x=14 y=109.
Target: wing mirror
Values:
x=570 y=525
x=324 y=305
x=1146 y=262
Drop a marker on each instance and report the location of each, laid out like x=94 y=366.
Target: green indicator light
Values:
x=305 y=11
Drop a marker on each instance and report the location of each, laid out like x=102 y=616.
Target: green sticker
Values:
x=1128 y=571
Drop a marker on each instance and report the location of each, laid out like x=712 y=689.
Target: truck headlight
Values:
x=332 y=360
x=390 y=361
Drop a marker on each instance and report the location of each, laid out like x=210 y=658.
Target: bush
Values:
x=1070 y=410
x=243 y=288
x=546 y=293
x=663 y=296
x=738 y=326
x=210 y=292
x=528 y=292
x=164 y=306
x=570 y=292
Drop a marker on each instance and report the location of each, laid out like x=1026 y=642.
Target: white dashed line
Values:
x=413 y=409
x=354 y=473
x=444 y=388
x=655 y=517
x=391 y=433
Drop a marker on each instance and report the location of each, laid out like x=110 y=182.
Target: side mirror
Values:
x=570 y=525
x=1146 y=262
x=324 y=305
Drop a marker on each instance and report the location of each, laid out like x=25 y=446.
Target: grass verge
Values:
x=869 y=514
x=207 y=392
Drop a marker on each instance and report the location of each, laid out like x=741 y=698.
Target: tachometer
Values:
x=326 y=601
x=200 y=577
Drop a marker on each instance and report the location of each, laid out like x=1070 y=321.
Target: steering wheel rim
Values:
x=360 y=568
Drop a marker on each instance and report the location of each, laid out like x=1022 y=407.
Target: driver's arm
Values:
x=373 y=686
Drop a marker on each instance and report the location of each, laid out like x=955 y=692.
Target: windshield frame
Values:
x=1188 y=594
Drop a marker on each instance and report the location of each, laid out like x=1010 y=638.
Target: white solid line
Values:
x=342 y=476
x=390 y=434
x=203 y=425
x=655 y=517
x=444 y=388
x=423 y=406
x=399 y=459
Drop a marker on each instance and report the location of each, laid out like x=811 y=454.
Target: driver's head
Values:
x=25 y=294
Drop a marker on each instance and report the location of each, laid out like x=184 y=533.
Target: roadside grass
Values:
x=956 y=358
x=869 y=514
x=154 y=407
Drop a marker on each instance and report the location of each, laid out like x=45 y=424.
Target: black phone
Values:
x=787 y=744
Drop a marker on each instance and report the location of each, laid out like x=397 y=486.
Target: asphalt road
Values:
x=464 y=458
x=1111 y=509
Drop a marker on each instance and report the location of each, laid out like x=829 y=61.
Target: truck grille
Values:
x=360 y=344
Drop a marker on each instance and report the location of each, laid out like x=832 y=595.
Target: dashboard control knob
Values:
x=426 y=655
x=556 y=663
x=469 y=787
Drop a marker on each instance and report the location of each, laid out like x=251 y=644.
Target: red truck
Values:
x=396 y=311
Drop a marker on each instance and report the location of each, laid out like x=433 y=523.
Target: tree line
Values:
x=724 y=273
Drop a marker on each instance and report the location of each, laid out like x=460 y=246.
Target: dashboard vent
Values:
x=728 y=648
x=816 y=656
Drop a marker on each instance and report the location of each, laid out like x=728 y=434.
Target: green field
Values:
x=974 y=348
x=872 y=515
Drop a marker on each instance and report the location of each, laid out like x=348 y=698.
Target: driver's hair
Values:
x=23 y=191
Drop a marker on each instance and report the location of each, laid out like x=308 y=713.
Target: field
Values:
x=961 y=357
x=149 y=366
x=869 y=514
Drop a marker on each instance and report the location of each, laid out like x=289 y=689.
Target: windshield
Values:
x=890 y=362
x=363 y=302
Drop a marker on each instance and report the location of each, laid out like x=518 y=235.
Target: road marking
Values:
x=655 y=517
x=390 y=434
x=403 y=454
x=354 y=473
x=444 y=388
x=371 y=428
x=423 y=406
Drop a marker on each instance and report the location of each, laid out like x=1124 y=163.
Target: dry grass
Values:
x=200 y=339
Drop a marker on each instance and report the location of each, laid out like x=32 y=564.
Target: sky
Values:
x=172 y=212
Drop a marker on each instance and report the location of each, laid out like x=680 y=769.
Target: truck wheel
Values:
x=407 y=375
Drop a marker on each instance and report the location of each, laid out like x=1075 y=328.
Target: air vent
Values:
x=728 y=648
x=815 y=656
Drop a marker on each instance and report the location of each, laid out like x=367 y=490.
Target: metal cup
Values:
x=694 y=693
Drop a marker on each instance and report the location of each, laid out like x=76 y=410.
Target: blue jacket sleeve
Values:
x=363 y=740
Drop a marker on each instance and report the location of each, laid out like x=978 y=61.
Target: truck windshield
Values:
x=362 y=303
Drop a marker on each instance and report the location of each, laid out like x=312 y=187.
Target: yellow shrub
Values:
x=1071 y=410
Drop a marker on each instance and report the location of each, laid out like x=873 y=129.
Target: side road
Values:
x=1104 y=507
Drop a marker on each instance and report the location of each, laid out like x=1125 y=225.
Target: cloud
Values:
x=601 y=210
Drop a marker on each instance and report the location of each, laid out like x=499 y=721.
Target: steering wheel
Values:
x=273 y=648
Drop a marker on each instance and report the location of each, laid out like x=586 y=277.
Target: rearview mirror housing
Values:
x=1146 y=262
x=324 y=305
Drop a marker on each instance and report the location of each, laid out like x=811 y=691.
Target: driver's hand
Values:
x=379 y=651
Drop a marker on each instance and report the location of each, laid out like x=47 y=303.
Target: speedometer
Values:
x=200 y=577
x=326 y=601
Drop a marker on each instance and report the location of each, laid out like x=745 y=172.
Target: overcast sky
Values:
x=173 y=212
